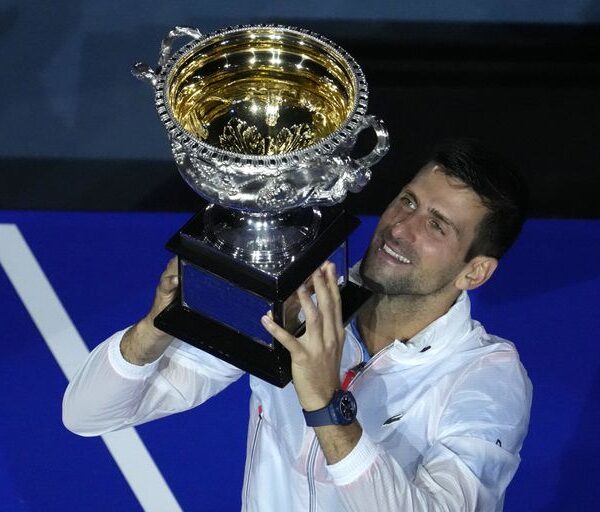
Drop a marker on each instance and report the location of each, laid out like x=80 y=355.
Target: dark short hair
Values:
x=497 y=182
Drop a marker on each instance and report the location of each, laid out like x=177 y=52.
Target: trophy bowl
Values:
x=262 y=121
x=263 y=118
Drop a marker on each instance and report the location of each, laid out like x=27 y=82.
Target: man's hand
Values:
x=317 y=354
x=144 y=343
x=316 y=359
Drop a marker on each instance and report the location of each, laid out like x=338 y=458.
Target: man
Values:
x=443 y=407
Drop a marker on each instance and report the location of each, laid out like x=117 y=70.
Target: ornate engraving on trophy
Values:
x=238 y=137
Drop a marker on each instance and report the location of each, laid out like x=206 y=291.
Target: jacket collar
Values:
x=447 y=330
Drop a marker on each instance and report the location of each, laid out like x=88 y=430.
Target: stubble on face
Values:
x=433 y=265
x=406 y=279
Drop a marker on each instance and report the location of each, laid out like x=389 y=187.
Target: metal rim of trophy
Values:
x=325 y=146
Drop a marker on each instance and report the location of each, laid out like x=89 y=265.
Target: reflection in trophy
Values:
x=262 y=120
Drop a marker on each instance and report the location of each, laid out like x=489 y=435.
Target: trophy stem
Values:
x=264 y=240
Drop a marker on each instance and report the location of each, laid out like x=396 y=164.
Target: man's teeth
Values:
x=388 y=250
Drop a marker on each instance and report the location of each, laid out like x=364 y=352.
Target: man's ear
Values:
x=476 y=272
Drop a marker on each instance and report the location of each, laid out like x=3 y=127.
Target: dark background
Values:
x=80 y=133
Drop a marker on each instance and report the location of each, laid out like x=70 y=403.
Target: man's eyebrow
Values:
x=409 y=192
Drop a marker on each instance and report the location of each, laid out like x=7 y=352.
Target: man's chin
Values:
x=373 y=286
x=368 y=282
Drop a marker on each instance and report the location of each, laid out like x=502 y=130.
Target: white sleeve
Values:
x=471 y=461
x=109 y=393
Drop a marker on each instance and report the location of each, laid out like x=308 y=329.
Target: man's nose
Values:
x=406 y=228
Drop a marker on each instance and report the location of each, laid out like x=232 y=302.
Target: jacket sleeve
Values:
x=109 y=393
x=472 y=457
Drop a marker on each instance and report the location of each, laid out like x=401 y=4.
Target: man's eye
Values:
x=436 y=225
x=407 y=201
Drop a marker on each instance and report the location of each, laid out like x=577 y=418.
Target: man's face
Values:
x=423 y=236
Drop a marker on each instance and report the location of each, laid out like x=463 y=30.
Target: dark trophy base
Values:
x=221 y=299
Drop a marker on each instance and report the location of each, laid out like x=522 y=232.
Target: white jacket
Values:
x=442 y=426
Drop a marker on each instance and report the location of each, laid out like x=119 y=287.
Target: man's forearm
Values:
x=337 y=441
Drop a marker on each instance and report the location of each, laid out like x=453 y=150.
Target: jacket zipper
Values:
x=356 y=372
x=252 y=454
x=310 y=474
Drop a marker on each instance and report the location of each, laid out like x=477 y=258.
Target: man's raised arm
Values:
x=141 y=374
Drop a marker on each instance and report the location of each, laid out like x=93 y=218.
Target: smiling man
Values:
x=413 y=406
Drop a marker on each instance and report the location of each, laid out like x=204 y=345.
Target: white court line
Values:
x=69 y=350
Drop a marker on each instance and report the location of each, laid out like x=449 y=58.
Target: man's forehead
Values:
x=436 y=170
x=434 y=179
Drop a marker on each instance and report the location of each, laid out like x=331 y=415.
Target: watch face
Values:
x=348 y=406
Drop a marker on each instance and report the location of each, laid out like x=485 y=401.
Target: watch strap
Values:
x=319 y=418
x=331 y=413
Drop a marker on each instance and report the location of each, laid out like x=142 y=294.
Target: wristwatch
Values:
x=341 y=410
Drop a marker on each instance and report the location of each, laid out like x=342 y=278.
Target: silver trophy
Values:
x=262 y=120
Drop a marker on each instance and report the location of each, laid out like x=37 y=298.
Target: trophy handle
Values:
x=166 y=47
x=146 y=73
x=382 y=145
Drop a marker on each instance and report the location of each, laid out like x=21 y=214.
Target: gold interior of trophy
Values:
x=261 y=91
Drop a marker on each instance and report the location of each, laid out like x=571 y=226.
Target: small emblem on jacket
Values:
x=393 y=418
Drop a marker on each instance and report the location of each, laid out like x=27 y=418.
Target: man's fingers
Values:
x=166 y=288
x=310 y=287
x=331 y=276
x=172 y=265
x=171 y=269
x=169 y=280
x=328 y=303
x=280 y=334
x=168 y=284
x=321 y=289
x=332 y=283
x=309 y=308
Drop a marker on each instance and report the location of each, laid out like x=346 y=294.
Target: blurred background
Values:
x=89 y=193
x=522 y=76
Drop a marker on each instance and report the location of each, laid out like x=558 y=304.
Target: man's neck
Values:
x=386 y=318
